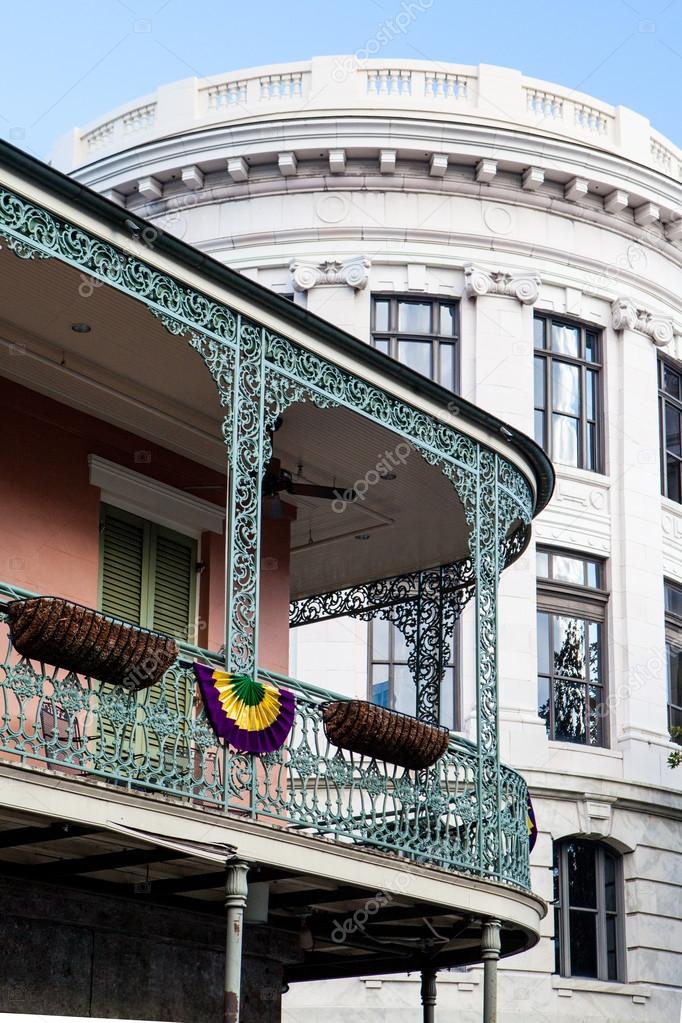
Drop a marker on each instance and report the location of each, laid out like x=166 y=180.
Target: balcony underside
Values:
x=357 y=925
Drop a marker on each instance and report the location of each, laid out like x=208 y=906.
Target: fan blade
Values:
x=324 y=493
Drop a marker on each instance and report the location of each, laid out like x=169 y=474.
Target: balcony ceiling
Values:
x=128 y=370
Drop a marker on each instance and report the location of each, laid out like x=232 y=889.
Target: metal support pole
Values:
x=490 y=953
x=236 y=891
x=429 y=995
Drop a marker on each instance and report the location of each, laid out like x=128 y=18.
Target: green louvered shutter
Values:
x=148 y=577
x=174 y=576
x=172 y=590
x=124 y=543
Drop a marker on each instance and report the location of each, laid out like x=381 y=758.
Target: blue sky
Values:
x=66 y=62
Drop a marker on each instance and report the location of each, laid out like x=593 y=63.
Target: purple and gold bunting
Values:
x=252 y=716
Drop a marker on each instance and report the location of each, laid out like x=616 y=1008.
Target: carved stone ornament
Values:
x=525 y=287
x=306 y=274
x=626 y=315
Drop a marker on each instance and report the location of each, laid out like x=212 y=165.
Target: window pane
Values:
x=672 y=429
x=569 y=712
x=582 y=876
x=448 y=320
x=542 y=564
x=583 y=944
x=557 y=941
x=447 y=365
x=539 y=333
x=405 y=694
x=597 y=710
x=565 y=388
x=674 y=659
x=673 y=599
x=381 y=689
x=610 y=883
x=400 y=649
x=540 y=429
x=569 y=647
x=565 y=440
x=414 y=317
x=539 y=382
x=543 y=643
x=673 y=476
x=594 y=574
x=591 y=347
x=380 y=630
x=569 y=570
x=543 y=701
x=382 y=344
x=591 y=394
x=381 y=310
x=671 y=382
x=594 y=651
x=611 y=948
x=565 y=339
x=591 y=453
x=447 y=699
x=416 y=355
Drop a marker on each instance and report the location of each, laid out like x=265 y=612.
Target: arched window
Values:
x=588 y=910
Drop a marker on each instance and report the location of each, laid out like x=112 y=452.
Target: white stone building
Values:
x=522 y=243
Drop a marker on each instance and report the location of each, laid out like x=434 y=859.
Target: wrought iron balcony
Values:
x=159 y=741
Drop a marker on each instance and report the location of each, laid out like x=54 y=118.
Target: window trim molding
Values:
x=546 y=353
x=586 y=603
x=563 y=907
x=149 y=499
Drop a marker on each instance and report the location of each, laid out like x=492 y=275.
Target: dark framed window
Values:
x=571 y=628
x=422 y=333
x=390 y=679
x=568 y=392
x=673 y=652
x=588 y=911
x=670 y=412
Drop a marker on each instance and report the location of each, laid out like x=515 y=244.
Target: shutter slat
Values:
x=122 y=567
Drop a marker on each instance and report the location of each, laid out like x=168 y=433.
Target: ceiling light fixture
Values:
x=362 y=536
x=81 y=328
x=389 y=476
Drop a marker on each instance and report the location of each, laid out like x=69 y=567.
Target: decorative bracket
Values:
x=525 y=287
x=306 y=274
x=626 y=315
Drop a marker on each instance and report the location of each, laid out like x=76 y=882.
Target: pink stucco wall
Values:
x=49 y=513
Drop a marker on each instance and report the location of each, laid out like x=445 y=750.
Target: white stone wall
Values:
x=591 y=231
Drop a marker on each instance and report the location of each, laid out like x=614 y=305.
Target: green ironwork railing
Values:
x=160 y=741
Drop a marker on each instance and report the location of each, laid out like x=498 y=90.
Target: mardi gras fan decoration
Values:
x=252 y=716
x=532 y=826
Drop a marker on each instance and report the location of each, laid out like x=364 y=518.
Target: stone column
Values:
x=490 y=954
x=236 y=892
x=501 y=381
x=336 y=289
x=638 y=699
x=428 y=994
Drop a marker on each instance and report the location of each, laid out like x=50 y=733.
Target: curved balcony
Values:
x=159 y=743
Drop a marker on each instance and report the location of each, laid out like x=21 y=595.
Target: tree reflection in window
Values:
x=570 y=671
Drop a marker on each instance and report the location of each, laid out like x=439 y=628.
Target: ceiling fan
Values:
x=277 y=481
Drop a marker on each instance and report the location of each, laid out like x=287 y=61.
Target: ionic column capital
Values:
x=307 y=274
x=523 y=286
x=627 y=315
